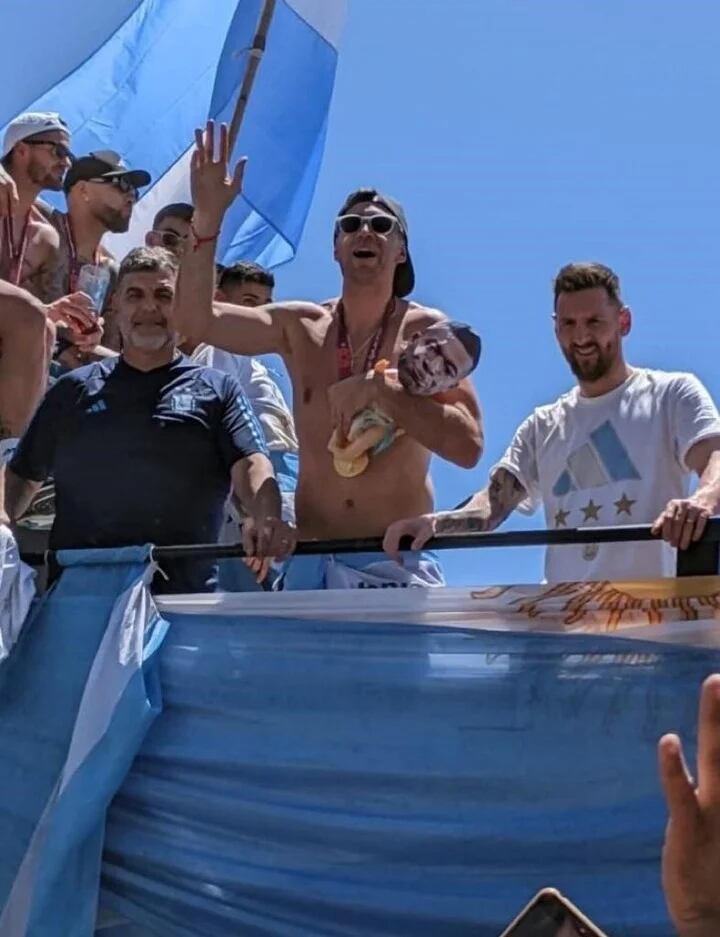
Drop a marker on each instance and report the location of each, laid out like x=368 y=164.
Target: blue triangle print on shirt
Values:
x=601 y=460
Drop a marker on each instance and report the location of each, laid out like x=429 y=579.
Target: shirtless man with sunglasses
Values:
x=330 y=351
x=101 y=193
x=35 y=156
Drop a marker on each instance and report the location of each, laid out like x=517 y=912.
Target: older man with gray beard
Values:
x=145 y=448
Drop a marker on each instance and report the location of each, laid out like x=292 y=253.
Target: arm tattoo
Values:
x=488 y=509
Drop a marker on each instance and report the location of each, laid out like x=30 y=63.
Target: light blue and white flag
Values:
x=77 y=695
x=138 y=76
x=417 y=763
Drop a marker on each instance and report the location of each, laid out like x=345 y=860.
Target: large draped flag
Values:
x=137 y=76
x=402 y=762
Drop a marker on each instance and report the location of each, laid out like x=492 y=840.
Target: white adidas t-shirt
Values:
x=615 y=459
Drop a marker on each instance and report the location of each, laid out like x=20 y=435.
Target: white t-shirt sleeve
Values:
x=520 y=459
x=693 y=415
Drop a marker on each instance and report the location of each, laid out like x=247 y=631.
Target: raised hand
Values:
x=213 y=187
x=691 y=854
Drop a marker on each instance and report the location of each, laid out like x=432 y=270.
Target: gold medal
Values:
x=352 y=468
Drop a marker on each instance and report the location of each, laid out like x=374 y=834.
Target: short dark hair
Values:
x=469 y=339
x=181 y=210
x=358 y=197
x=588 y=275
x=147 y=260
x=245 y=271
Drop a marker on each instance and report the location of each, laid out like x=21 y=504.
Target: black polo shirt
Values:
x=140 y=457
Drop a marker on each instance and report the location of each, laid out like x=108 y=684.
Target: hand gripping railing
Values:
x=702 y=558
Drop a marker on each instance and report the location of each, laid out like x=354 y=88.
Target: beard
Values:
x=593 y=368
x=113 y=220
x=148 y=343
x=45 y=179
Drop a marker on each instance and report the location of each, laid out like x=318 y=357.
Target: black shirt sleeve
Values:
x=240 y=434
x=35 y=454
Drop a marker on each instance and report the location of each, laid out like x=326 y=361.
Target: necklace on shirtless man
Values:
x=346 y=356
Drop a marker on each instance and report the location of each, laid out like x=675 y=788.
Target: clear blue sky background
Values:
x=522 y=134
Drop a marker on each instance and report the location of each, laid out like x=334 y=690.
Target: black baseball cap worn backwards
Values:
x=404 y=281
x=104 y=164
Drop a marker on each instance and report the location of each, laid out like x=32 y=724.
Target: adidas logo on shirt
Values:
x=97 y=407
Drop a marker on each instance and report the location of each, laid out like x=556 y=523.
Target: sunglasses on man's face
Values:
x=169 y=239
x=119 y=182
x=378 y=224
x=59 y=150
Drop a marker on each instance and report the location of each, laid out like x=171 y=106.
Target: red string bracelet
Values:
x=206 y=240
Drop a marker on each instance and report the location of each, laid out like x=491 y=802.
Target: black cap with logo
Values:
x=104 y=164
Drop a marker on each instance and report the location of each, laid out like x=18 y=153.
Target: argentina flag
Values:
x=297 y=764
x=137 y=76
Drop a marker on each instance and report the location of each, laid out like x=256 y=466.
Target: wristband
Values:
x=197 y=240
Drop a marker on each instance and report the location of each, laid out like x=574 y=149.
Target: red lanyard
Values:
x=17 y=257
x=344 y=351
x=75 y=265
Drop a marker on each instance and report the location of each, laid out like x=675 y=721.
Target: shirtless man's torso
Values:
x=371 y=249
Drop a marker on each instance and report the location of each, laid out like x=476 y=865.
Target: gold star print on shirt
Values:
x=591 y=511
x=624 y=505
x=561 y=517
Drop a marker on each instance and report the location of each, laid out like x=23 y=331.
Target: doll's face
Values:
x=433 y=361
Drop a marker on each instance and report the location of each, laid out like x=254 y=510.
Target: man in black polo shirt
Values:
x=145 y=448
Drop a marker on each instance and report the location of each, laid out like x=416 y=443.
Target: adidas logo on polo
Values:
x=97 y=407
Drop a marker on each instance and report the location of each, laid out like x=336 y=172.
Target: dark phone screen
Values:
x=551 y=918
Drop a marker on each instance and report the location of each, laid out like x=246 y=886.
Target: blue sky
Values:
x=520 y=136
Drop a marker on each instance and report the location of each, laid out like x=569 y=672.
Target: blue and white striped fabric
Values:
x=77 y=695
x=138 y=76
x=418 y=763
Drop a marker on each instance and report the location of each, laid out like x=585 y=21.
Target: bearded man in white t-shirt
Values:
x=619 y=448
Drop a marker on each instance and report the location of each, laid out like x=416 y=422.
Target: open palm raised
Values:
x=213 y=187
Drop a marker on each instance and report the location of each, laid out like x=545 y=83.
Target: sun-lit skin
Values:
x=143 y=307
x=365 y=254
x=590 y=327
x=179 y=231
x=245 y=293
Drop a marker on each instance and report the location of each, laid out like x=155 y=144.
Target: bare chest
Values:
x=317 y=364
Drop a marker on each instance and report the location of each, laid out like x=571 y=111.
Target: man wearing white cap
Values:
x=35 y=156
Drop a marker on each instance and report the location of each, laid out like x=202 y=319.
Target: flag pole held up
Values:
x=255 y=54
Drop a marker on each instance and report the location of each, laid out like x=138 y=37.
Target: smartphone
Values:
x=550 y=914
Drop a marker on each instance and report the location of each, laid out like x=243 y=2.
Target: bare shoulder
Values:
x=418 y=317
x=45 y=235
x=300 y=311
x=301 y=320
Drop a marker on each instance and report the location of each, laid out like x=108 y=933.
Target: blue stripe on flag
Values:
x=283 y=132
x=143 y=89
x=168 y=67
x=77 y=696
x=49 y=33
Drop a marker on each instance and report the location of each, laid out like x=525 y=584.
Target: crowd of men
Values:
x=134 y=409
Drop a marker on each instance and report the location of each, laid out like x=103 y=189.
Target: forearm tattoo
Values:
x=489 y=508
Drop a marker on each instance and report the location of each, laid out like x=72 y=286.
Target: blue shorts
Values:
x=361 y=571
